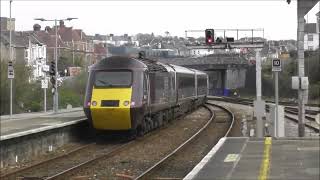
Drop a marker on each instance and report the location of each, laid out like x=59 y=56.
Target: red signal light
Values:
x=209 y=36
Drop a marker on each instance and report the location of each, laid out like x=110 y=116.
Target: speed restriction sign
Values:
x=44 y=84
x=276 y=65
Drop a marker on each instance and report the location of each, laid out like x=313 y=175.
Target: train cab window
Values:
x=113 y=79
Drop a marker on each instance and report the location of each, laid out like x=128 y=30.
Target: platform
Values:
x=28 y=123
x=269 y=158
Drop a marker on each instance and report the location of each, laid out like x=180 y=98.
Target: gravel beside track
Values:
x=57 y=165
x=183 y=162
x=246 y=112
x=146 y=150
x=42 y=158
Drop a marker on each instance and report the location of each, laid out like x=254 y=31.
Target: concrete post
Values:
x=276 y=121
x=300 y=43
x=11 y=57
x=55 y=96
x=259 y=105
x=258 y=74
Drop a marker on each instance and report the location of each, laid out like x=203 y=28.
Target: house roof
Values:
x=310 y=28
x=68 y=34
x=49 y=38
x=99 y=49
x=20 y=38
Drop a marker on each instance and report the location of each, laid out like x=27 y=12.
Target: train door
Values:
x=146 y=94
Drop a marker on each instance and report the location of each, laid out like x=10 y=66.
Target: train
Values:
x=137 y=94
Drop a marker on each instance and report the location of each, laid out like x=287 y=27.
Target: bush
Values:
x=29 y=96
x=73 y=91
x=312 y=66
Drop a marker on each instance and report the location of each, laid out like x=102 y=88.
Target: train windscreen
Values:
x=113 y=79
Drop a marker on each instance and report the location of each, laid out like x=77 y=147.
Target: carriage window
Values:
x=113 y=79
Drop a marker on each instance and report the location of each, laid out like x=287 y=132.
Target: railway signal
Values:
x=52 y=71
x=209 y=36
x=53 y=81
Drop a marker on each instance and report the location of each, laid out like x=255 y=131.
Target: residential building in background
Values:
x=311 y=36
x=5 y=24
x=27 y=49
x=35 y=56
x=77 y=42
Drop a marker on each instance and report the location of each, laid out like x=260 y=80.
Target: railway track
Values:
x=77 y=172
x=80 y=159
x=246 y=101
x=154 y=171
x=311 y=124
x=285 y=103
x=55 y=167
x=135 y=167
x=19 y=172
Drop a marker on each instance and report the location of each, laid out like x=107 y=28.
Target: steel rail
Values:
x=316 y=129
x=22 y=170
x=238 y=99
x=113 y=151
x=230 y=113
x=156 y=165
x=248 y=102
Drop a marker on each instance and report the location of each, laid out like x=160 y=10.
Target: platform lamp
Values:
x=55 y=86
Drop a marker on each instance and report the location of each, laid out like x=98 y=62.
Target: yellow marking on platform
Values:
x=231 y=157
x=265 y=164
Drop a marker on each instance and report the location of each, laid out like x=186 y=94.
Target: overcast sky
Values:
x=276 y=17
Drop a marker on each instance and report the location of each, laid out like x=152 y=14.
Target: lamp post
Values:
x=11 y=58
x=55 y=89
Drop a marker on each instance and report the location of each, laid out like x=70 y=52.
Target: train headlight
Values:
x=94 y=103
x=126 y=103
x=88 y=103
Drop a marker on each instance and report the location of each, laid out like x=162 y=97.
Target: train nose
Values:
x=112 y=109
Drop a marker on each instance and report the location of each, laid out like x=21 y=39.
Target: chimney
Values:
x=36 y=27
x=47 y=29
x=61 y=23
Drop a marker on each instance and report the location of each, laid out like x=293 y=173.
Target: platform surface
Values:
x=269 y=158
x=27 y=123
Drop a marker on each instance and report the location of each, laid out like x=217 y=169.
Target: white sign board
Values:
x=45 y=68
x=295 y=82
x=44 y=84
x=10 y=72
x=276 y=65
x=304 y=83
x=300 y=82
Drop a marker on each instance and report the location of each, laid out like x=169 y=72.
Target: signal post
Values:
x=212 y=42
x=53 y=81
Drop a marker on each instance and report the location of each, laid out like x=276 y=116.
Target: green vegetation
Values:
x=66 y=60
x=28 y=96
x=72 y=91
x=312 y=66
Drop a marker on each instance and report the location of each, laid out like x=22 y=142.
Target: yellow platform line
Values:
x=265 y=164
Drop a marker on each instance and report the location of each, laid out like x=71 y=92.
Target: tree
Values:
x=73 y=90
x=25 y=92
x=66 y=60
